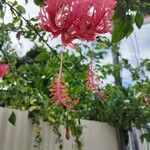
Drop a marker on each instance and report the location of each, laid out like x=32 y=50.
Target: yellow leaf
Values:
x=51 y=119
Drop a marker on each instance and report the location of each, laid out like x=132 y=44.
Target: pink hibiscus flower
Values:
x=4 y=69
x=77 y=19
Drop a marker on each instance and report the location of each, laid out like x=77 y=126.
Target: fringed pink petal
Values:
x=60 y=94
x=101 y=95
x=92 y=79
x=71 y=104
x=59 y=90
x=93 y=83
x=77 y=19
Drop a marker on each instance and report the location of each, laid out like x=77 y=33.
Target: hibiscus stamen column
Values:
x=61 y=64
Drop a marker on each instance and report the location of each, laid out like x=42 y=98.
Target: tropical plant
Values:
x=35 y=83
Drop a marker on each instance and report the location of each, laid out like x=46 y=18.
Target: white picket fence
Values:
x=96 y=136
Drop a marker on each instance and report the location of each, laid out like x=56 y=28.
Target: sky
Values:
x=134 y=48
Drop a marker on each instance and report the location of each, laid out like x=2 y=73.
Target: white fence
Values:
x=96 y=136
x=135 y=141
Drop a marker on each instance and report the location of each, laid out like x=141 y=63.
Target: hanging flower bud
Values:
x=77 y=19
x=4 y=69
x=67 y=133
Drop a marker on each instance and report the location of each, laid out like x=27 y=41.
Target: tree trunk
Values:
x=122 y=134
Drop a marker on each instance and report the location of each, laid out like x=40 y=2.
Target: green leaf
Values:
x=147 y=4
x=12 y=118
x=42 y=57
x=26 y=1
x=122 y=28
x=39 y=2
x=21 y=9
x=145 y=136
x=1 y=14
x=1 y=4
x=118 y=32
x=139 y=20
